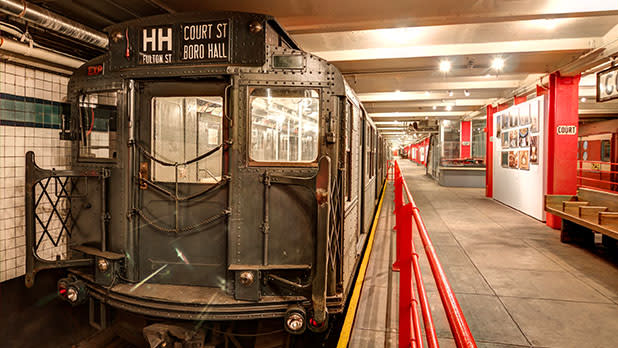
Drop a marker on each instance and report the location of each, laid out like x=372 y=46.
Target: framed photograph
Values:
x=505 y=121
x=514 y=118
x=524 y=115
x=505 y=140
x=505 y=159
x=513 y=159
x=513 y=138
x=534 y=149
x=534 y=116
x=524 y=134
x=524 y=163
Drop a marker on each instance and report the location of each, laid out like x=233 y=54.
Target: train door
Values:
x=181 y=192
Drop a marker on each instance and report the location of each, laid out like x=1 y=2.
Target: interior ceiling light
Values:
x=449 y=107
x=445 y=66
x=583 y=99
x=466 y=93
x=450 y=93
x=434 y=107
x=497 y=64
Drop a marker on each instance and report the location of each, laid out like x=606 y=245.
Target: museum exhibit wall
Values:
x=519 y=157
x=31 y=104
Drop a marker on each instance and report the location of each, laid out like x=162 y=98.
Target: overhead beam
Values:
x=499 y=47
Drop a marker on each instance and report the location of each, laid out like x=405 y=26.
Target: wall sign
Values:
x=567 y=130
x=607 y=84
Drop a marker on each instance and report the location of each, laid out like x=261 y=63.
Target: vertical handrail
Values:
x=406 y=258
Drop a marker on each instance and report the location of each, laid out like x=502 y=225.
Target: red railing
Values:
x=598 y=175
x=407 y=263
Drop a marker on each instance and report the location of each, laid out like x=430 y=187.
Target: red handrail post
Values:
x=405 y=276
x=398 y=216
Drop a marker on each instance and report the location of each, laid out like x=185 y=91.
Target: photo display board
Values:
x=518 y=148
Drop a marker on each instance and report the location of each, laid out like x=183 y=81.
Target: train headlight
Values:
x=72 y=290
x=246 y=278
x=295 y=321
x=103 y=265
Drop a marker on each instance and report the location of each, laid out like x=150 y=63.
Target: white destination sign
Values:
x=567 y=130
x=607 y=84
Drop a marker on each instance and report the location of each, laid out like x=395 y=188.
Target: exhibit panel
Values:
x=518 y=161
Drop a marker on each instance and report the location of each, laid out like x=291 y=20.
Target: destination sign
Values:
x=205 y=42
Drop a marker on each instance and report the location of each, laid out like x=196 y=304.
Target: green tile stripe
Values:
x=31 y=112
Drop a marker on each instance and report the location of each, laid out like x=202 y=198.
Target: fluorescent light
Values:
x=497 y=64
x=466 y=93
x=445 y=66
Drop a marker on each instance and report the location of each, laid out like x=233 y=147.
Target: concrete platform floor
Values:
x=517 y=284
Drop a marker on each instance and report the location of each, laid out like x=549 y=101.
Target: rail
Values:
x=407 y=263
x=597 y=175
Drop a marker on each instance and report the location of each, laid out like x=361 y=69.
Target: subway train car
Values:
x=597 y=154
x=219 y=176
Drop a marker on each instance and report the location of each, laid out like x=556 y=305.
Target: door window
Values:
x=184 y=128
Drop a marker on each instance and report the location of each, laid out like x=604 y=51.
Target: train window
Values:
x=605 y=151
x=183 y=129
x=284 y=125
x=348 y=149
x=98 y=125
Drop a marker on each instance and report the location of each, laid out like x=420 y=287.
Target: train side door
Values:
x=181 y=182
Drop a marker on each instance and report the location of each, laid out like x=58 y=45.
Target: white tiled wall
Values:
x=14 y=143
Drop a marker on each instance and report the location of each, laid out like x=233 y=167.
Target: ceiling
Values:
x=390 y=51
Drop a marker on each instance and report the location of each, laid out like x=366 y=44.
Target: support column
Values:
x=489 y=152
x=563 y=110
x=489 y=148
x=519 y=100
x=465 y=137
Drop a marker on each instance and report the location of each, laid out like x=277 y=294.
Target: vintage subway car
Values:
x=218 y=174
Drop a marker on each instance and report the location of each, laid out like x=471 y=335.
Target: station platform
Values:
x=517 y=284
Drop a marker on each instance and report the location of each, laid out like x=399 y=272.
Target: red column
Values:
x=465 y=138
x=489 y=153
x=519 y=100
x=563 y=110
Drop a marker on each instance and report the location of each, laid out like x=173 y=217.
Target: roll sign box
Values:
x=607 y=84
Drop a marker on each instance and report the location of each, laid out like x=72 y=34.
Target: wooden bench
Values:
x=585 y=213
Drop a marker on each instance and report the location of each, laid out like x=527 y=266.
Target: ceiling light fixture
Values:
x=449 y=108
x=445 y=66
x=450 y=93
x=497 y=64
x=434 y=107
x=466 y=93
x=583 y=99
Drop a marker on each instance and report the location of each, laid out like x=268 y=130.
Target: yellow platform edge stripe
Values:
x=346 y=330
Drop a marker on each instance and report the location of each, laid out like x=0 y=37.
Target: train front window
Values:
x=184 y=128
x=284 y=125
x=98 y=114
